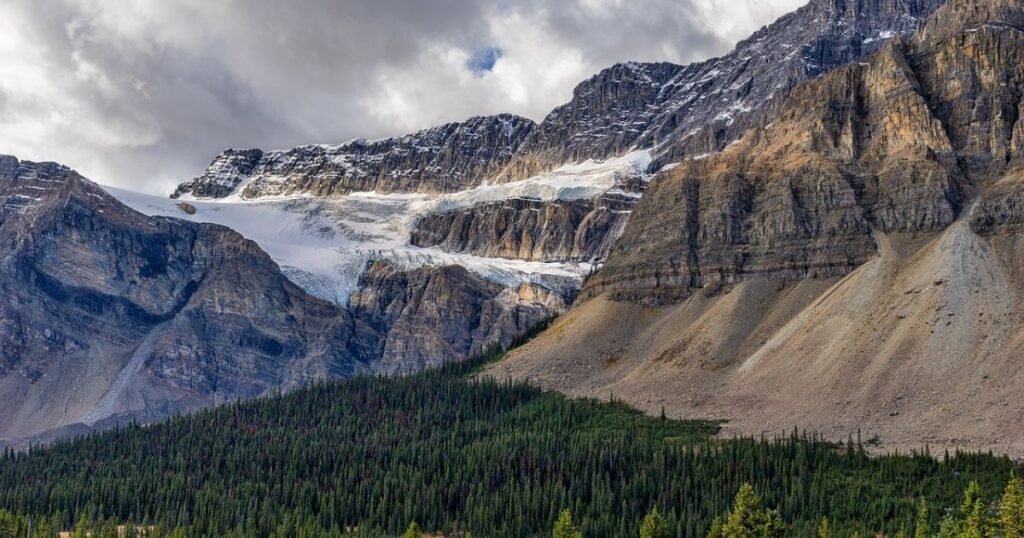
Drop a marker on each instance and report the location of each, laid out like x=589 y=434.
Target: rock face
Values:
x=527 y=229
x=433 y=315
x=901 y=144
x=897 y=183
x=699 y=108
x=108 y=314
x=448 y=158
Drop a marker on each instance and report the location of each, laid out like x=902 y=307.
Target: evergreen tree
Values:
x=1011 y=509
x=748 y=519
x=413 y=531
x=922 y=527
x=654 y=525
x=564 y=527
x=949 y=528
x=717 y=529
x=972 y=496
x=823 y=531
x=83 y=529
x=8 y=525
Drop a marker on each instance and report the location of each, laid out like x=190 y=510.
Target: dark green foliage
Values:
x=369 y=455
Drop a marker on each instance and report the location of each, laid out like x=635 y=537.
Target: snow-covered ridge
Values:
x=324 y=244
x=447 y=158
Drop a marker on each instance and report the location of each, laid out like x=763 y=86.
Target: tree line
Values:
x=466 y=456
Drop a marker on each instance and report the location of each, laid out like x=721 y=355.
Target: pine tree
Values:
x=564 y=527
x=823 y=531
x=7 y=525
x=654 y=525
x=949 y=528
x=749 y=519
x=413 y=531
x=976 y=522
x=972 y=495
x=922 y=528
x=717 y=528
x=746 y=516
x=1011 y=509
x=82 y=528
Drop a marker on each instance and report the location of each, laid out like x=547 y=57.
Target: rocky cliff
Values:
x=434 y=315
x=108 y=314
x=448 y=158
x=901 y=144
x=529 y=229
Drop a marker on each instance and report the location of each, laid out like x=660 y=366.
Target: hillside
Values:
x=850 y=265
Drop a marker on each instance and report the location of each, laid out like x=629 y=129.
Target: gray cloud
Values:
x=143 y=94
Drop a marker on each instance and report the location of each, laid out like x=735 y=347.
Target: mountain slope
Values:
x=851 y=265
x=107 y=313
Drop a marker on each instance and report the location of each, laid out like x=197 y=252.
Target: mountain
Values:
x=108 y=315
x=850 y=265
x=629 y=111
x=678 y=111
x=514 y=202
x=448 y=158
x=670 y=109
x=396 y=254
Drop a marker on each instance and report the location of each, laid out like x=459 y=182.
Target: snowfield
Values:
x=325 y=244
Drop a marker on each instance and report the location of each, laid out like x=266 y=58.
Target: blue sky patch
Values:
x=482 y=61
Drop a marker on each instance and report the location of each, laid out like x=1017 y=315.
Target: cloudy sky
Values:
x=144 y=93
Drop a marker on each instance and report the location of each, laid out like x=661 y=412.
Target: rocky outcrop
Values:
x=432 y=315
x=683 y=111
x=106 y=314
x=529 y=229
x=902 y=144
x=224 y=174
x=448 y=158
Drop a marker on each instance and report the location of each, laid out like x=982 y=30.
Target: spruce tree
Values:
x=654 y=525
x=7 y=524
x=413 y=531
x=749 y=519
x=949 y=528
x=1011 y=509
x=747 y=515
x=823 y=531
x=717 y=529
x=922 y=527
x=564 y=527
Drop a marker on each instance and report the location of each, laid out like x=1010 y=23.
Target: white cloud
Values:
x=143 y=94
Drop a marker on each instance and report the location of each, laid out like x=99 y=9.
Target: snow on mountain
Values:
x=325 y=243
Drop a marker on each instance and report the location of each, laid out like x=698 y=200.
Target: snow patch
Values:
x=325 y=244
